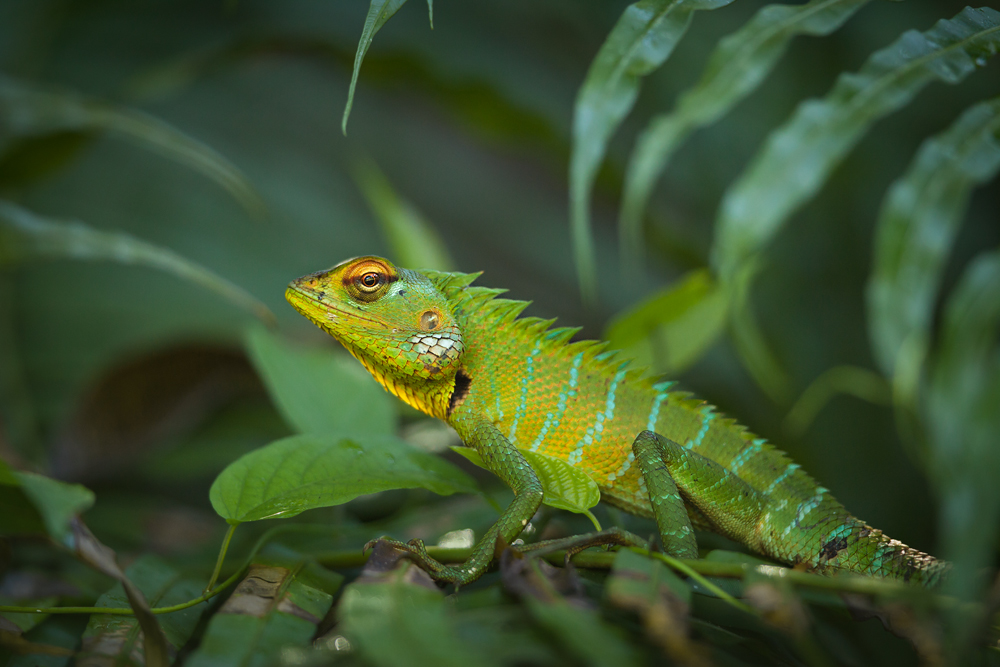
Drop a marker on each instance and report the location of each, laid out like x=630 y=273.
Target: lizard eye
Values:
x=370 y=281
x=430 y=320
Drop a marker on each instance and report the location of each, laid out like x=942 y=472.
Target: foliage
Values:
x=851 y=178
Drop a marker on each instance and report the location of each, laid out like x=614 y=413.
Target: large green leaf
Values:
x=963 y=422
x=565 y=487
x=583 y=634
x=413 y=240
x=674 y=327
x=304 y=472
x=797 y=158
x=276 y=607
x=642 y=39
x=27 y=111
x=25 y=236
x=916 y=230
x=118 y=639
x=318 y=390
x=735 y=69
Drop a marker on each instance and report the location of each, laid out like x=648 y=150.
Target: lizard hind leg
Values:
x=732 y=506
x=669 y=511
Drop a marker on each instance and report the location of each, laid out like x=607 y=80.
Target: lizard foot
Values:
x=415 y=551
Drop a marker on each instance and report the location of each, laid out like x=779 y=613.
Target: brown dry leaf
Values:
x=530 y=577
x=384 y=563
x=782 y=609
x=91 y=551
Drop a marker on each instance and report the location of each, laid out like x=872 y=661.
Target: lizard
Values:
x=460 y=353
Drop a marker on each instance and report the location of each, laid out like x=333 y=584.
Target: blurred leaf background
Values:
x=167 y=168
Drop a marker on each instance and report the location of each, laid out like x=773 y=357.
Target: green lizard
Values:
x=505 y=383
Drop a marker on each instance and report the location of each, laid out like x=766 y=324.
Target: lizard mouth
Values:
x=324 y=313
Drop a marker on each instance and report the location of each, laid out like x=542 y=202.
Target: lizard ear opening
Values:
x=463 y=383
x=430 y=320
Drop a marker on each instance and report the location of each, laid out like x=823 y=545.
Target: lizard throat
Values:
x=424 y=397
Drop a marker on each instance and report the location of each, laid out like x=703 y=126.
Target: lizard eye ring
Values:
x=367 y=279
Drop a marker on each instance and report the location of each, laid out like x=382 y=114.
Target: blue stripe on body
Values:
x=526 y=380
x=792 y=467
x=746 y=455
x=552 y=421
x=595 y=432
x=707 y=416
x=654 y=415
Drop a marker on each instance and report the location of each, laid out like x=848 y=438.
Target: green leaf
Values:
x=963 y=423
x=583 y=634
x=736 y=68
x=276 y=607
x=413 y=240
x=119 y=637
x=25 y=236
x=304 y=472
x=916 y=230
x=320 y=391
x=565 y=487
x=32 y=503
x=642 y=39
x=797 y=158
x=674 y=327
x=57 y=502
x=379 y=11
x=27 y=111
x=661 y=599
x=395 y=616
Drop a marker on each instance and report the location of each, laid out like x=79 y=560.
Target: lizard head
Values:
x=393 y=320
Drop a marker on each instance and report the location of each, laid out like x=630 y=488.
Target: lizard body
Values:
x=460 y=353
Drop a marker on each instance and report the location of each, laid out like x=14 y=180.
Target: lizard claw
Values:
x=370 y=544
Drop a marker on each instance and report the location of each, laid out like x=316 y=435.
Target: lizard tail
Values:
x=857 y=547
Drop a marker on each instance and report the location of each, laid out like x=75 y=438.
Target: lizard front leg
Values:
x=505 y=461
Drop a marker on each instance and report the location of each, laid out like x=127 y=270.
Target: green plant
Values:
x=851 y=253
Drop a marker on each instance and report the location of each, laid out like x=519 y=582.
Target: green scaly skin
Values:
x=505 y=383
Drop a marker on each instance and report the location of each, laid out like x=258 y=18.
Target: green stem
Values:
x=600 y=560
x=221 y=558
x=126 y=611
x=682 y=567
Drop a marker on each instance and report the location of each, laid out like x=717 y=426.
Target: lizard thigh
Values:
x=732 y=506
x=666 y=501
